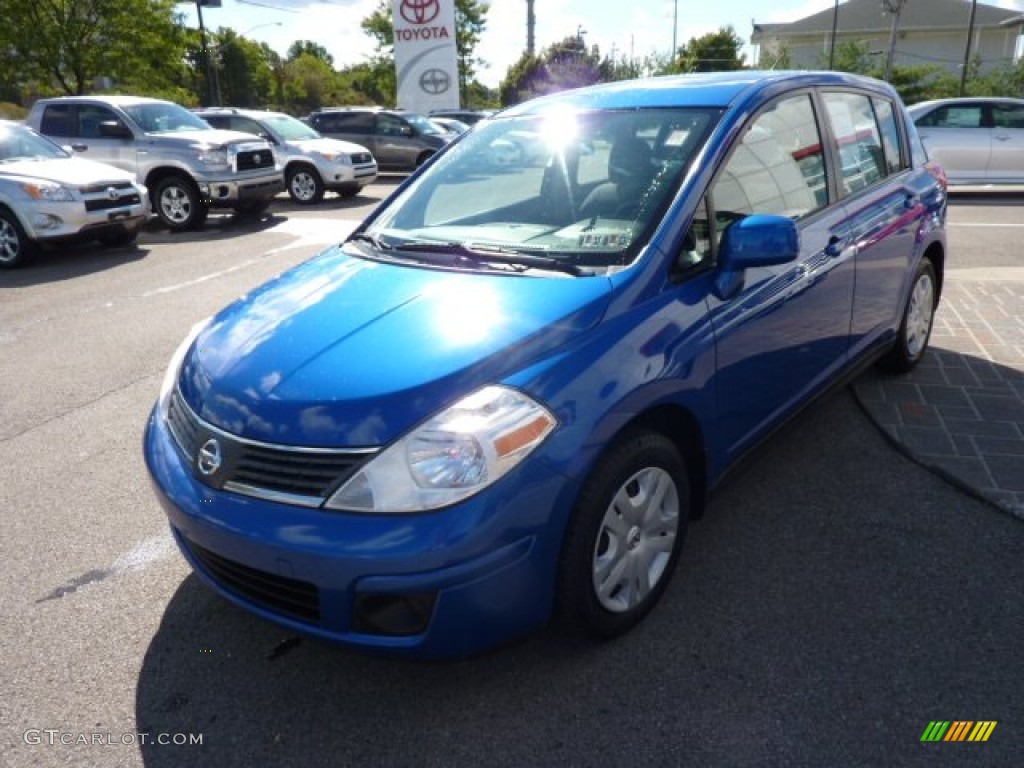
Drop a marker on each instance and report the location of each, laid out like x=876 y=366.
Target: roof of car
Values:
x=966 y=101
x=714 y=89
x=244 y=112
x=119 y=100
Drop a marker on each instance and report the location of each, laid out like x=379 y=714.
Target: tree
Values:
x=561 y=66
x=244 y=70
x=64 y=46
x=308 y=47
x=470 y=22
x=714 y=52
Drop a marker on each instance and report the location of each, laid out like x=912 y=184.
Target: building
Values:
x=930 y=32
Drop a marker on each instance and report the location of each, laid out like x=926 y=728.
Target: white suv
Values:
x=47 y=196
x=312 y=163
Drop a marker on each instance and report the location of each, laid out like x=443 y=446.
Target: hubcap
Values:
x=303 y=186
x=175 y=204
x=635 y=540
x=9 y=244
x=919 y=315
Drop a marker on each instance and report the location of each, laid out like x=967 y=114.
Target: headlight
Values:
x=174 y=366
x=44 y=190
x=213 y=156
x=452 y=456
x=336 y=157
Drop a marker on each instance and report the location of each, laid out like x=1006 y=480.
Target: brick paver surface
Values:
x=961 y=412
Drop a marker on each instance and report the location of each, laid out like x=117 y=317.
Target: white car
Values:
x=975 y=140
x=312 y=163
x=47 y=195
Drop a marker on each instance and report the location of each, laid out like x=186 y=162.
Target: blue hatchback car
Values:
x=506 y=394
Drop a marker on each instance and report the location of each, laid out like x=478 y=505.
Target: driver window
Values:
x=777 y=168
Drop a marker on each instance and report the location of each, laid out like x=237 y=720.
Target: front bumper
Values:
x=441 y=584
x=229 y=191
x=45 y=221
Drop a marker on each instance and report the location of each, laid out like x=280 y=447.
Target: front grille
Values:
x=250 y=160
x=120 y=186
x=304 y=476
x=106 y=203
x=280 y=594
x=361 y=158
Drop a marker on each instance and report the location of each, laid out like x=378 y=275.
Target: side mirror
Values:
x=113 y=129
x=406 y=130
x=760 y=240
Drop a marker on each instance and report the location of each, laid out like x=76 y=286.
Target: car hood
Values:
x=214 y=137
x=345 y=352
x=71 y=171
x=328 y=145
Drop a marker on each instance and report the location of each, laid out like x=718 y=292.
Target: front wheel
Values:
x=15 y=245
x=625 y=535
x=916 y=328
x=305 y=186
x=177 y=204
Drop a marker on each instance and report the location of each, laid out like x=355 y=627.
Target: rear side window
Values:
x=862 y=161
x=57 y=121
x=342 y=122
x=886 y=115
x=777 y=168
x=1007 y=116
x=954 y=116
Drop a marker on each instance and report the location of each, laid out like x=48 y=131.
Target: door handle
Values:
x=1001 y=137
x=79 y=147
x=834 y=247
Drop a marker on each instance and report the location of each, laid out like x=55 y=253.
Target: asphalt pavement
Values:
x=961 y=412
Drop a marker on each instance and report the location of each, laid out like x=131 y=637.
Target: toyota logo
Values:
x=434 y=81
x=112 y=193
x=209 y=459
x=256 y=157
x=419 y=11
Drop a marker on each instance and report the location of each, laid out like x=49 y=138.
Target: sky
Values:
x=622 y=28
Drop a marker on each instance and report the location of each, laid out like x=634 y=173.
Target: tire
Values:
x=15 y=245
x=624 y=538
x=118 y=238
x=916 y=326
x=177 y=204
x=305 y=186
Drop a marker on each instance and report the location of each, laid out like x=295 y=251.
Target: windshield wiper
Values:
x=479 y=253
x=376 y=242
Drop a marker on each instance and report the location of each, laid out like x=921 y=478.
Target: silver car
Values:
x=312 y=163
x=47 y=195
x=976 y=140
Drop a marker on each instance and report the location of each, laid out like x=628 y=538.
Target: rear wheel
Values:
x=305 y=186
x=916 y=328
x=625 y=536
x=177 y=204
x=15 y=245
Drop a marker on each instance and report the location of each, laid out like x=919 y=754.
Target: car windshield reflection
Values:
x=584 y=187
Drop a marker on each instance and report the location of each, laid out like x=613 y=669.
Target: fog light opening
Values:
x=222 y=191
x=395 y=615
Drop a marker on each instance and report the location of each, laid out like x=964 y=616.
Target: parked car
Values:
x=976 y=140
x=48 y=196
x=312 y=163
x=187 y=166
x=468 y=116
x=399 y=140
x=504 y=396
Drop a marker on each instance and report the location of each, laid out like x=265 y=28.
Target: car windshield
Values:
x=162 y=117
x=18 y=143
x=290 y=129
x=586 y=188
x=422 y=124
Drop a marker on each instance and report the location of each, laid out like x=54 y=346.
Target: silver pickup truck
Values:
x=187 y=166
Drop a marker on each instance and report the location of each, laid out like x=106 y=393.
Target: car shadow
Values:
x=55 y=263
x=218 y=226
